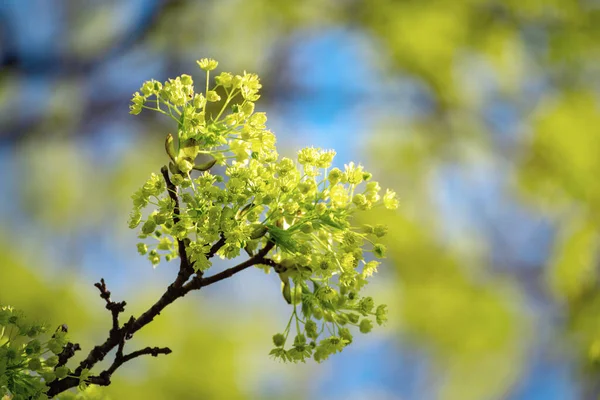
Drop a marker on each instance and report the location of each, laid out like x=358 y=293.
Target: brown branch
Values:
x=216 y=247
x=68 y=350
x=258 y=258
x=185 y=268
x=114 y=307
x=272 y=263
x=118 y=335
x=103 y=379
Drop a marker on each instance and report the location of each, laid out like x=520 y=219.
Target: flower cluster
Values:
x=304 y=207
x=24 y=371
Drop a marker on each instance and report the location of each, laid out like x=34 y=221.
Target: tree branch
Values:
x=185 y=268
x=177 y=289
x=258 y=258
x=103 y=378
x=68 y=350
x=113 y=307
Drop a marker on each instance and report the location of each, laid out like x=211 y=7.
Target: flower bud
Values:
x=207 y=64
x=279 y=339
x=170 y=147
x=365 y=325
x=248 y=108
x=212 y=96
x=299 y=340
x=380 y=230
x=142 y=248
x=62 y=372
x=48 y=376
x=353 y=318
x=311 y=329
x=205 y=166
x=51 y=361
x=307 y=227
x=149 y=226
x=257 y=231
x=335 y=175
x=185 y=165
x=34 y=364
x=381 y=314
x=345 y=334
x=379 y=250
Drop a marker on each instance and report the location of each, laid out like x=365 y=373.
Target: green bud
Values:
x=320 y=208
x=212 y=96
x=174 y=170
x=379 y=250
x=170 y=147
x=327 y=316
x=342 y=319
x=307 y=227
x=365 y=325
x=62 y=372
x=185 y=165
x=353 y=318
x=135 y=218
x=318 y=313
x=258 y=231
x=55 y=346
x=286 y=290
x=48 y=376
x=154 y=257
x=267 y=199
x=186 y=79
x=335 y=175
x=368 y=229
x=345 y=334
x=365 y=306
x=381 y=314
x=248 y=108
x=299 y=340
x=224 y=79
x=380 y=230
x=33 y=347
x=311 y=329
x=207 y=64
x=189 y=149
x=51 y=361
x=359 y=200
x=205 y=166
x=149 y=226
x=279 y=339
x=34 y=364
x=177 y=179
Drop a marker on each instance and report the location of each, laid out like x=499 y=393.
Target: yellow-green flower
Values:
x=207 y=64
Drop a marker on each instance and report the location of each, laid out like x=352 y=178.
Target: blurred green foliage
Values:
x=471 y=318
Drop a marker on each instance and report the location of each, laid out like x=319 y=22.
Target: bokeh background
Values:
x=482 y=114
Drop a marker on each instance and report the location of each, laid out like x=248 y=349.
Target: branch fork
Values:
x=118 y=334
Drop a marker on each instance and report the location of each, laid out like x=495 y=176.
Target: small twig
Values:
x=114 y=307
x=153 y=351
x=68 y=350
x=185 y=268
x=272 y=263
x=258 y=258
x=216 y=247
x=172 y=190
x=103 y=378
